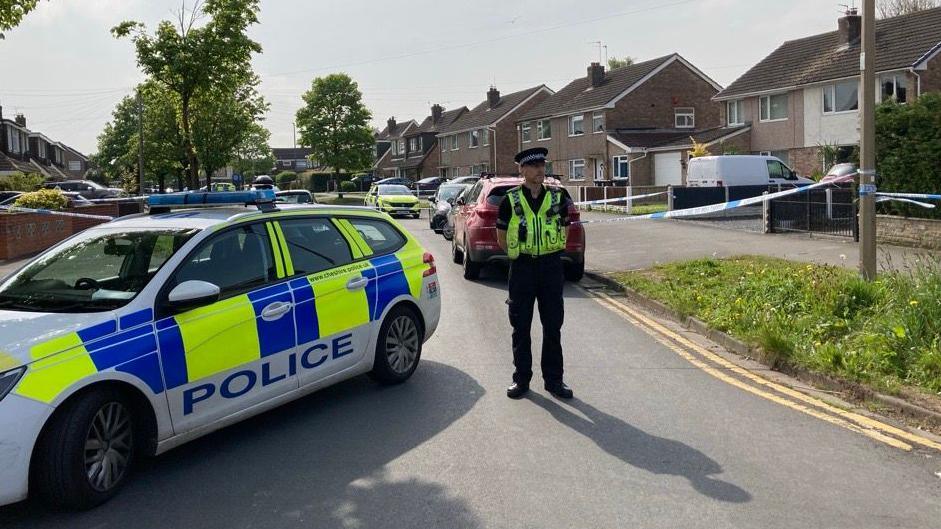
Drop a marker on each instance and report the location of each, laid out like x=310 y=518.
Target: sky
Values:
x=65 y=72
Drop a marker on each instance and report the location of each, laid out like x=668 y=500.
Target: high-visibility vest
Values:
x=535 y=233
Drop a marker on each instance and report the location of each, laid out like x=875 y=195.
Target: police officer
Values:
x=531 y=229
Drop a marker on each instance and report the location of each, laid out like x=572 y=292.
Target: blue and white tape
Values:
x=14 y=209
x=914 y=196
x=715 y=208
x=615 y=200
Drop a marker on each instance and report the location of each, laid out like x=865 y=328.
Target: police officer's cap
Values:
x=535 y=156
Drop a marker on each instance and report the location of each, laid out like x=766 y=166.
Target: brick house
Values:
x=26 y=151
x=291 y=159
x=390 y=145
x=484 y=139
x=422 y=156
x=666 y=95
x=804 y=95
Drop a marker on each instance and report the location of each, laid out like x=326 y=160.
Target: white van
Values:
x=736 y=170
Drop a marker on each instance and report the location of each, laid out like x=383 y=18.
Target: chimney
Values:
x=436 y=112
x=493 y=96
x=850 y=27
x=596 y=74
x=391 y=124
x=20 y=120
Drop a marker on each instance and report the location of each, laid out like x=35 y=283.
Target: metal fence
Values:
x=589 y=193
x=831 y=211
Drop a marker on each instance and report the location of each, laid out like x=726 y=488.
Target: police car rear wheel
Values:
x=398 y=348
x=85 y=456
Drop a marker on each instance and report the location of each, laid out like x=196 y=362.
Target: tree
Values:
x=615 y=62
x=908 y=149
x=253 y=155
x=222 y=118
x=894 y=8
x=118 y=144
x=12 y=13
x=189 y=59
x=334 y=123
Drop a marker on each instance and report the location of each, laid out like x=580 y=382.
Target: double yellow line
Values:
x=762 y=387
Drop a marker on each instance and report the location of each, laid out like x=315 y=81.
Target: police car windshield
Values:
x=101 y=269
x=394 y=190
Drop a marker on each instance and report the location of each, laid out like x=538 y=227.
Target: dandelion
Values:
x=913 y=302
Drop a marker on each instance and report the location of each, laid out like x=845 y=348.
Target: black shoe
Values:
x=517 y=390
x=560 y=390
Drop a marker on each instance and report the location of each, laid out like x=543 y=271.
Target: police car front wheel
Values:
x=398 y=348
x=85 y=455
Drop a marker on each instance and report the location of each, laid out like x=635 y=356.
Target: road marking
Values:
x=853 y=421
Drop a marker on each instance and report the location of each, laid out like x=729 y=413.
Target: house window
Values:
x=597 y=122
x=454 y=146
x=548 y=168
x=772 y=108
x=576 y=125
x=75 y=165
x=544 y=129
x=444 y=143
x=622 y=167
x=526 y=132
x=841 y=97
x=399 y=147
x=895 y=87
x=474 y=138
x=684 y=117
x=414 y=144
x=736 y=112
x=484 y=133
x=576 y=169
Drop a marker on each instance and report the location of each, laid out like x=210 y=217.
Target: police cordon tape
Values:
x=14 y=209
x=915 y=196
x=615 y=200
x=715 y=208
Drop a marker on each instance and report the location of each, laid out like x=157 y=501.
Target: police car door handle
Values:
x=275 y=310
x=357 y=283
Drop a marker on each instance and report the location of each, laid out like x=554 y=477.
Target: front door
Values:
x=333 y=293
x=230 y=355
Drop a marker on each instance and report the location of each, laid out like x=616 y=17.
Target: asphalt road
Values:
x=650 y=441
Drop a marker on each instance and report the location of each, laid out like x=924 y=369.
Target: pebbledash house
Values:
x=802 y=101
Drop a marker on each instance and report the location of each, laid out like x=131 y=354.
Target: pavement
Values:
x=621 y=246
x=652 y=440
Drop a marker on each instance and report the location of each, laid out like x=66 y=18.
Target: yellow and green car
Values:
x=394 y=200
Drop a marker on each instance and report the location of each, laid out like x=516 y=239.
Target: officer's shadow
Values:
x=642 y=450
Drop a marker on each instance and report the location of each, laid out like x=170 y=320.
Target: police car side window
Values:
x=381 y=236
x=315 y=245
x=236 y=260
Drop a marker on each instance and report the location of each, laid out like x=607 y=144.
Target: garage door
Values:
x=667 y=169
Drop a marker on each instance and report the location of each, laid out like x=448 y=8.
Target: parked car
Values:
x=364 y=182
x=447 y=231
x=7 y=198
x=297 y=196
x=87 y=188
x=428 y=186
x=475 y=228
x=464 y=180
x=840 y=171
x=747 y=170
x=441 y=204
x=393 y=199
x=396 y=181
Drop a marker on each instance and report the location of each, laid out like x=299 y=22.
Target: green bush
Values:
x=42 y=199
x=347 y=187
x=286 y=177
x=908 y=151
x=20 y=182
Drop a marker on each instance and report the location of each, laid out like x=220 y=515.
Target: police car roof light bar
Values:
x=264 y=199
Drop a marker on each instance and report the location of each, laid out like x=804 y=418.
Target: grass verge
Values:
x=644 y=209
x=885 y=334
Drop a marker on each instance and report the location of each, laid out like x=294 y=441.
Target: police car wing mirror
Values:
x=192 y=294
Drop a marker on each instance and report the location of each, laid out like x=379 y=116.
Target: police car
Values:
x=143 y=333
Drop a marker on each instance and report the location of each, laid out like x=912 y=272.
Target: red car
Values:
x=475 y=229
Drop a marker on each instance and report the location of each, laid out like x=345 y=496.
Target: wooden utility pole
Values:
x=867 y=145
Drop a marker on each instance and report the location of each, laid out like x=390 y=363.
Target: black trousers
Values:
x=537 y=280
